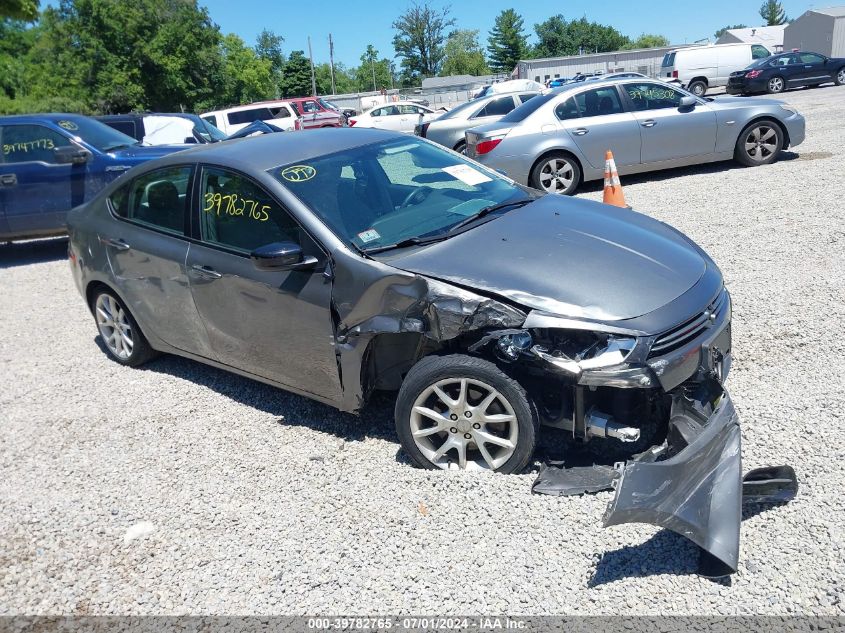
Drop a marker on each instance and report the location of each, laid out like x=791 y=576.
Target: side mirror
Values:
x=71 y=155
x=687 y=102
x=281 y=256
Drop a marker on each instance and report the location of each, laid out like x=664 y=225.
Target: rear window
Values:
x=248 y=116
x=528 y=108
x=668 y=60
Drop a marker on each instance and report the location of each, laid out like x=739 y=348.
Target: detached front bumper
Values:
x=696 y=490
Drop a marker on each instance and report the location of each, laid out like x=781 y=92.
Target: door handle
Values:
x=581 y=131
x=205 y=271
x=8 y=180
x=649 y=123
x=118 y=244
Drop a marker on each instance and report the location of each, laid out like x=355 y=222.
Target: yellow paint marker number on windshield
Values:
x=298 y=173
x=233 y=205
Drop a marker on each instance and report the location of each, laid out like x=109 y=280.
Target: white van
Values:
x=278 y=113
x=698 y=68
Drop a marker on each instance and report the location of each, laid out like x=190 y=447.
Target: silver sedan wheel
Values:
x=461 y=423
x=761 y=142
x=840 y=76
x=775 y=84
x=114 y=326
x=556 y=175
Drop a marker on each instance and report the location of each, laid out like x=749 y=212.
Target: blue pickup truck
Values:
x=54 y=162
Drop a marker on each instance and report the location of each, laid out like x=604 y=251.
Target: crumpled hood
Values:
x=567 y=257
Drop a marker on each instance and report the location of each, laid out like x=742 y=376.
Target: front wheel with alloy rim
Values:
x=840 y=77
x=119 y=332
x=759 y=144
x=775 y=85
x=556 y=173
x=464 y=413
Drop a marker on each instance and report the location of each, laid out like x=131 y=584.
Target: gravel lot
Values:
x=252 y=500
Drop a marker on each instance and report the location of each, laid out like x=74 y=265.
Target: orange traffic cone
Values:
x=612 y=187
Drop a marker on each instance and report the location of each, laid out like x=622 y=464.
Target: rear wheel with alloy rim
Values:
x=464 y=413
x=759 y=144
x=461 y=148
x=119 y=332
x=556 y=173
x=840 y=77
x=775 y=85
x=698 y=88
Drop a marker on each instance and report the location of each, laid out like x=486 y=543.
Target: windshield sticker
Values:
x=298 y=173
x=26 y=146
x=234 y=205
x=467 y=174
x=368 y=236
x=68 y=125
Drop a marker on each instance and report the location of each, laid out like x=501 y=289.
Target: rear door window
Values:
x=650 y=96
x=497 y=107
x=668 y=60
x=598 y=102
x=567 y=109
x=30 y=143
x=811 y=58
x=248 y=116
x=158 y=199
x=236 y=212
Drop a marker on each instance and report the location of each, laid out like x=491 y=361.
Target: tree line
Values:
x=105 y=56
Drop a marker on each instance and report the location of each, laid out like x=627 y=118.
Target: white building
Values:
x=769 y=36
x=818 y=30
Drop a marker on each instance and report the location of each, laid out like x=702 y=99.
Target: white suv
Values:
x=278 y=113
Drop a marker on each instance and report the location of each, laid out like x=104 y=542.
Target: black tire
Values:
x=103 y=304
x=461 y=147
x=762 y=154
x=776 y=85
x=698 y=87
x=433 y=369
x=539 y=173
x=839 y=77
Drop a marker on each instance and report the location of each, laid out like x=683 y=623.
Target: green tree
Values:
x=420 y=35
x=344 y=79
x=463 y=55
x=725 y=29
x=647 y=40
x=773 y=13
x=558 y=37
x=246 y=76
x=372 y=67
x=296 y=76
x=19 y=9
x=268 y=46
x=15 y=42
x=507 y=44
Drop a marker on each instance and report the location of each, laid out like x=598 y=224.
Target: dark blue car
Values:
x=54 y=162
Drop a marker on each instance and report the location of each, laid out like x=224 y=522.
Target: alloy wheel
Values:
x=557 y=175
x=465 y=424
x=775 y=84
x=840 y=76
x=761 y=142
x=114 y=326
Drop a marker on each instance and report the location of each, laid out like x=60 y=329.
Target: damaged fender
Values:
x=697 y=491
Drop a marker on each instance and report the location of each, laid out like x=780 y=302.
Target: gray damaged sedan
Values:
x=558 y=140
x=336 y=263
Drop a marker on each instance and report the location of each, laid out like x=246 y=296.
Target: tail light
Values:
x=352 y=122
x=753 y=74
x=297 y=124
x=487 y=146
x=674 y=74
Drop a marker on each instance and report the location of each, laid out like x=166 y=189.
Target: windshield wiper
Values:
x=410 y=241
x=487 y=211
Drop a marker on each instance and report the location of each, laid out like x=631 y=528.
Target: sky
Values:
x=353 y=24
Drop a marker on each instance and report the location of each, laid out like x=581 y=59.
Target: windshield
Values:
x=97 y=134
x=328 y=105
x=528 y=108
x=383 y=193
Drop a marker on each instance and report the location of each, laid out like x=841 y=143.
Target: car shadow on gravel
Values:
x=33 y=252
x=668 y=174
x=375 y=421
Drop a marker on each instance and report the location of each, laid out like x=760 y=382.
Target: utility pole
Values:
x=331 y=62
x=313 y=79
x=373 y=66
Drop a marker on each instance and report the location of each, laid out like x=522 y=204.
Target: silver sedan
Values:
x=448 y=130
x=558 y=140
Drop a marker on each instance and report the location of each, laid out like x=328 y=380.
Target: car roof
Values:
x=52 y=117
x=271 y=150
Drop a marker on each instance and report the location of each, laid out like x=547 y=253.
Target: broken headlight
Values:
x=511 y=346
x=613 y=351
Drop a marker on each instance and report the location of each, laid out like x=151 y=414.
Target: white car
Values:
x=279 y=113
x=698 y=68
x=399 y=116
